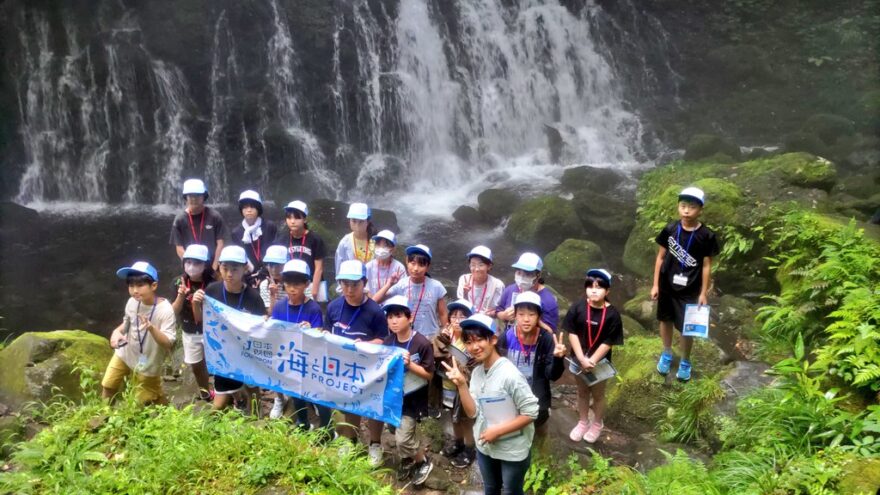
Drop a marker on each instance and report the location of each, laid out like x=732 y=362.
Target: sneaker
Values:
x=684 y=370
x=206 y=395
x=579 y=430
x=464 y=459
x=452 y=449
x=593 y=433
x=277 y=408
x=405 y=470
x=664 y=364
x=422 y=470
x=375 y=454
x=434 y=412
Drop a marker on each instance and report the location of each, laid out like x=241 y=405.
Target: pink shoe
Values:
x=579 y=430
x=593 y=433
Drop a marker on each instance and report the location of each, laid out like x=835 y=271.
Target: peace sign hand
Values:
x=454 y=375
x=559 y=349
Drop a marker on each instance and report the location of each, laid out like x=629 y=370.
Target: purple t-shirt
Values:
x=550 y=314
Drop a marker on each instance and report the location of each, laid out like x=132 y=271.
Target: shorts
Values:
x=193 y=348
x=670 y=307
x=226 y=386
x=147 y=388
x=405 y=436
x=452 y=401
x=543 y=416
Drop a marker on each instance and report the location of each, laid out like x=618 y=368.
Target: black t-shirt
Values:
x=248 y=301
x=308 y=248
x=204 y=228
x=575 y=322
x=186 y=318
x=684 y=256
x=365 y=322
x=421 y=352
x=254 y=254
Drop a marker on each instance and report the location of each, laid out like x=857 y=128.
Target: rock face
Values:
x=543 y=223
x=595 y=179
x=571 y=259
x=705 y=145
x=37 y=362
x=495 y=204
x=467 y=215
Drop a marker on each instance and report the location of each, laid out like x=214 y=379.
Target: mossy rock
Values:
x=591 y=179
x=860 y=476
x=605 y=215
x=543 y=223
x=735 y=316
x=495 y=204
x=467 y=215
x=804 y=141
x=642 y=308
x=805 y=170
x=571 y=259
x=701 y=146
x=828 y=127
x=36 y=363
x=640 y=250
x=632 y=328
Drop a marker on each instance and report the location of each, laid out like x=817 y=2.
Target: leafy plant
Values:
x=690 y=417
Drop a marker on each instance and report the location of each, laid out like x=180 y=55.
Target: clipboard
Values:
x=696 y=321
x=498 y=410
x=601 y=372
x=413 y=382
x=460 y=356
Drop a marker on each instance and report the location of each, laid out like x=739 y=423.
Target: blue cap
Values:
x=276 y=254
x=196 y=252
x=297 y=266
x=233 y=254
x=600 y=273
x=529 y=262
x=484 y=322
x=419 y=249
x=396 y=302
x=351 y=270
x=138 y=268
x=387 y=235
x=463 y=305
x=359 y=211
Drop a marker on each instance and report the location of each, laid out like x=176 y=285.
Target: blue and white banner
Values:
x=360 y=378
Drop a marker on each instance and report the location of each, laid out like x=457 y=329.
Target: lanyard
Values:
x=298 y=314
x=478 y=308
x=688 y=247
x=379 y=274
x=192 y=226
x=354 y=244
x=590 y=339
x=256 y=251
x=421 y=294
x=240 y=298
x=354 y=316
x=302 y=244
x=525 y=350
x=137 y=313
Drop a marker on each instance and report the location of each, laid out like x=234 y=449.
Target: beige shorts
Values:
x=405 y=436
x=193 y=348
x=147 y=388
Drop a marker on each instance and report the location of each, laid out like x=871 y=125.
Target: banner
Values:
x=359 y=378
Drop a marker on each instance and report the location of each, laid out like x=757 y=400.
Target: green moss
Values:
x=641 y=307
x=829 y=127
x=542 y=223
x=640 y=249
x=495 y=204
x=705 y=145
x=632 y=328
x=861 y=476
x=571 y=259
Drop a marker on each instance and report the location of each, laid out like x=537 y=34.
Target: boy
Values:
x=419 y=361
x=198 y=224
x=303 y=244
x=255 y=233
x=231 y=291
x=423 y=293
x=144 y=338
x=682 y=274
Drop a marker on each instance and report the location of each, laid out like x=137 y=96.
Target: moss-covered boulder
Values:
x=701 y=146
x=632 y=328
x=804 y=141
x=37 y=363
x=640 y=250
x=495 y=204
x=805 y=170
x=543 y=223
x=828 y=127
x=571 y=259
x=642 y=308
x=587 y=178
x=604 y=215
x=860 y=476
x=467 y=215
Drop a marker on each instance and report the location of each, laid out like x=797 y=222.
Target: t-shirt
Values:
x=186 y=317
x=256 y=249
x=204 y=228
x=423 y=300
x=308 y=248
x=575 y=323
x=485 y=297
x=364 y=322
x=421 y=352
x=140 y=341
x=684 y=256
x=263 y=287
x=309 y=312
x=522 y=355
x=349 y=250
x=549 y=307
x=248 y=300
x=377 y=275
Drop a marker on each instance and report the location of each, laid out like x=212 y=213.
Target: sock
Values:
x=667 y=350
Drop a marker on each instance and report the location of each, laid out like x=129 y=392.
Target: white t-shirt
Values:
x=140 y=342
x=423 y=300
x=377 y=275
x=483 y=297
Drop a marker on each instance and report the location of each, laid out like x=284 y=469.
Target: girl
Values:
x=357 y=245
x=538 y=355
x=594 y=326
x=196 y=274
x=461 y=451
x=303 y=244
x=424 y=293
x=270 y=287
x=254 y=234
x=528 y=278
x=480 y=288
x=383 y=269
x=496 y=389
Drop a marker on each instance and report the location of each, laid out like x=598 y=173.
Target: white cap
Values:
x=297 y=266
x=351 y=270
x=387 y=235
x=194 y=186
x=600 y=273
x=297 y=205
x=396 y=302
x=693 y=193
x=482 y=252
x=276 y=254
x=139 y=268
x=250 y=195
x=480 y=320
x=529 y=262
x=233 y=254
x=359 y=211
x=419 y=249
x=196 y=252
x=527 y=297
x=462 y=304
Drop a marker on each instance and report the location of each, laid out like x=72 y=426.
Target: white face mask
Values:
x=193 y=268
x=524 y=282
x=382 y=253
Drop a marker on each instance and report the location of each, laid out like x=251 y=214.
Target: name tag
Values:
x=680 y=279
x=142 y=363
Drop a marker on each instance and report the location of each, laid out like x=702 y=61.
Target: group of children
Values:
x=494 y=379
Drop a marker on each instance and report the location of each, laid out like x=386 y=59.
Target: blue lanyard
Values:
x=137 y=313
x=356 y=313
x=240 y=297
x=688 y=247
x=298 y=314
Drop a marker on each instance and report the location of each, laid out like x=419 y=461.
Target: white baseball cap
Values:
x=359 y=211
x=419 y=249
x=297 y=266
x=139 y=268
x=351 y=270
x=529 y=262
x=276 y=254
x=233 y=254
x=527 y=297
x=600 y=273
x=485 y=322
x=482 y=252
x=250 y=195
x=196 y=252
x=463 y=305
x=194 y=186
x=694 y=194
x=298 y=206
x=387 y=235
x=396 y=302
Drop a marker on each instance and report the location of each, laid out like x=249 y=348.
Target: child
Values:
x=423 y=293
x=682 y=274
x=357 y=317
x=418 y=360
x=144 y=338
x=383 y=269
x=198 y=224
x=196 y=275
x=356 y=245
x=461 y=451
x=538 y=355
x=594 y=326
x=303 y=244
x=480 y=288
x=255 y=234
x=528 y=278
x=231 y=291
x=273 y=262
x=297 y=308
x=503 y=447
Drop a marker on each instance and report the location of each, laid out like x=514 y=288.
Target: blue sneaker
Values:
x=665 y=363
x=684 y=370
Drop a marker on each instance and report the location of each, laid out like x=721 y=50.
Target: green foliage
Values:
x=852 y=350
x=690 y=415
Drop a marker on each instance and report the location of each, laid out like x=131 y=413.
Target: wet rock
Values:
x=861 y=476
x=592 y=179
x=604 y=215
x=745 y=377
x=571 y=259
x=806 y=142
x=642 y=308
x=828 y=127
x=467 y=215
x=631 y=327
x=543 y=223
x=705 y=145
x=495 y=204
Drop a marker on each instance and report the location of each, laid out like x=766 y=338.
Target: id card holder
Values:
x=679 y=279
x=142 y=363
